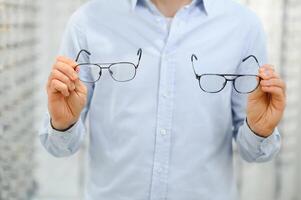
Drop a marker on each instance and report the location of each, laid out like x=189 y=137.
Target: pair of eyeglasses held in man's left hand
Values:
x=119 y=71
x=214 y=83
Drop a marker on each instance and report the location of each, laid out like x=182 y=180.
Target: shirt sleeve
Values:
x=251 y=147
x=61 y=144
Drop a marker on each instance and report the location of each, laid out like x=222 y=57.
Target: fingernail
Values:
x=266 y=72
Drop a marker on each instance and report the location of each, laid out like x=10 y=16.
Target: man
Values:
x=158 y=135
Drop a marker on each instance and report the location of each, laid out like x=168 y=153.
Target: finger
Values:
x=58 y=86
x=268 y=74
x=56 y=74
x=267 y=67
x=256 y=94
x=276 y=92
x=273 y=82
x=66 y=69
x=80 y=86
x=67 y=61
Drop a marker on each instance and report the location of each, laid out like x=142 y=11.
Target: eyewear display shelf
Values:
x=17 y=97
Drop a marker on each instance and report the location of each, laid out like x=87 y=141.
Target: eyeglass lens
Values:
x=212 y=83
x=215 y=83
x=120 y=72
x=89 y=73
x=246 y=84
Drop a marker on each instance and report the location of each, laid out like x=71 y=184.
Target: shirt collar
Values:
x=207 y=4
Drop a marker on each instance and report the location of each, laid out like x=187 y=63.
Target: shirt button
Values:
x=165 y=95
x=163 y=132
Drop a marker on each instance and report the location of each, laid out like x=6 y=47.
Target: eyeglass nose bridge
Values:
x=230 y=79
x=102 y=67
x=233 y=77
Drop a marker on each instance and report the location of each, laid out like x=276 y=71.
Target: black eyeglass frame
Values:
x=100 y=65
x=199 y=76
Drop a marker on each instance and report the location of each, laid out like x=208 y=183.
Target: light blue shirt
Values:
x=160 y=136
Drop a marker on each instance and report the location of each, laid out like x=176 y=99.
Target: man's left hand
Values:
x=266 y=104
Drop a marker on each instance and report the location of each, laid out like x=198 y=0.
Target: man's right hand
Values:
x=67 y=95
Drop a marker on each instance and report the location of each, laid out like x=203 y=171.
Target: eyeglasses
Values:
x=214 y=83
x=119 y=71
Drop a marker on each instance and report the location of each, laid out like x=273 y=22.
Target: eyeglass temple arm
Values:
x=139 y=54
x=251 y=56
x=193 y=58
x=80 y=52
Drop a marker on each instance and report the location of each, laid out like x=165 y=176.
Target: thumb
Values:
x=258 y=93
x=80 y=86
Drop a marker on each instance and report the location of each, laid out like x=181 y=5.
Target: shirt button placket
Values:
x=163 y=134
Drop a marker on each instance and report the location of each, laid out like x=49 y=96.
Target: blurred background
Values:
x=30 y=34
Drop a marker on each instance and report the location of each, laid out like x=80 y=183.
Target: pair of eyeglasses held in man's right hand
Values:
x=119 y=71
x=214 y=83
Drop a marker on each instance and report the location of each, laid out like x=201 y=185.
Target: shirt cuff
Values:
x=262 y=146
x=63 y=136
